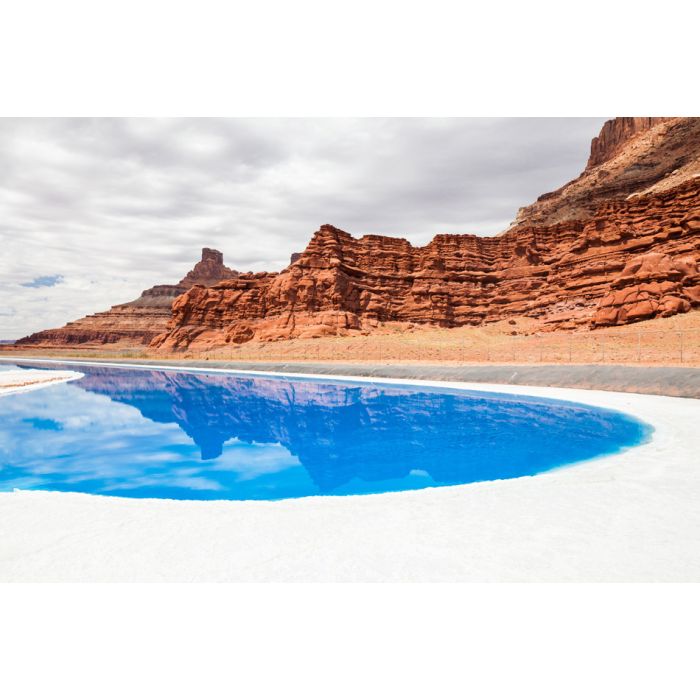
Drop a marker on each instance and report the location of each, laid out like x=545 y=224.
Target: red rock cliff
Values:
x=616 y=133
x=634 y=258
x=632 y=155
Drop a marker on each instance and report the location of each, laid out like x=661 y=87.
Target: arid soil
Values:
x=663 y=341
x=667 y=341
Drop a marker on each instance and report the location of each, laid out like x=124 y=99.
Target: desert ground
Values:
x=672 y=341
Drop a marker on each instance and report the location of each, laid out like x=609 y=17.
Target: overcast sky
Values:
x=93 y=211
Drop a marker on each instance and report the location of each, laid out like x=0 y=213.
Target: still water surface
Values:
x=187 y=435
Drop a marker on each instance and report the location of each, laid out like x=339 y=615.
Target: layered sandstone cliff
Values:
x=563 y=275
x=632 y=155
x=135 y=322
x=616 y=134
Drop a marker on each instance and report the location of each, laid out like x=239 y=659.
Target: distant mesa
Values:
x=209 y=270
x=134 y=323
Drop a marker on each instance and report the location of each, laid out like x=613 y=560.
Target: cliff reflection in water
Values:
x=340 y=432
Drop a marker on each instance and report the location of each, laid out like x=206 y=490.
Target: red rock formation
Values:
x=618 y=244
x=135 y=322
x=209 y=270
x=654 y=284
x=558 y=274
x=632 y=155
x=615 y=134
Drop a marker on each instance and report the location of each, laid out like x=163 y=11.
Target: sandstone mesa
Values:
x=135 y=322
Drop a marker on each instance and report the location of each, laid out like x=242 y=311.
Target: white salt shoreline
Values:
x=631 y=516
x=17 y=381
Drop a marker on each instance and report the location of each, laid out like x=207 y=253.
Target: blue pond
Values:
x=189 y=435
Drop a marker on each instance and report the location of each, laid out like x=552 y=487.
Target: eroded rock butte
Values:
x=135 y=322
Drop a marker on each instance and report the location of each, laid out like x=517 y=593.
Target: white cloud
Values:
x=116 y=205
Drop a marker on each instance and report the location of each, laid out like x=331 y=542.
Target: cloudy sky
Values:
x=93 y=211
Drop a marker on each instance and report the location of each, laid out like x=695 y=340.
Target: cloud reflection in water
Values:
x=147 y=433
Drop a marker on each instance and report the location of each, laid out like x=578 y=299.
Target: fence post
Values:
x=639 y=346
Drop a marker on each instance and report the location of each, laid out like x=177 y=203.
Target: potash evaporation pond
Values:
x=192 y=435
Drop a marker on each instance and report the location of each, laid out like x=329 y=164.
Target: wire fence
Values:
x=456 y=346
x=616 y=347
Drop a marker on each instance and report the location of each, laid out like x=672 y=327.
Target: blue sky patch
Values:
x=45 y=281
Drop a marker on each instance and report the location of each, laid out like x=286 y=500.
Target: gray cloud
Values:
x=120 y=204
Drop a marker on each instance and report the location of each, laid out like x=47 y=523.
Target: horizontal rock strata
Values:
x=631 y=156
x=616 y=134
x=136 y=322
x=557 y=274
